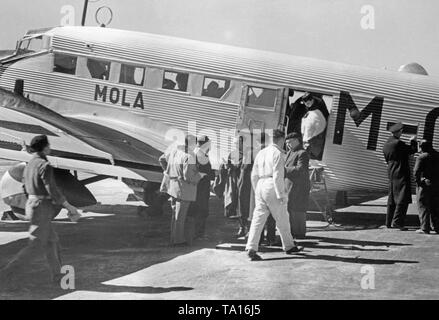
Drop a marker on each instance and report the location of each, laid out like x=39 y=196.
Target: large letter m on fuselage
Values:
x=374 y=108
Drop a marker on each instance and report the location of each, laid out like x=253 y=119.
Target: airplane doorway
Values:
x=308 y=113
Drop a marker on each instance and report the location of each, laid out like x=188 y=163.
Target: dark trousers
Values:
x=434 y=217
x=423 y=199
x=43 y=239
x=396 y=214
x=270 y=226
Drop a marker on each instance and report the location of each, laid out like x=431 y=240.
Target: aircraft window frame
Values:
x=204 y=89
x=72 y=70
x=107 y=73
x=184 y=89
x=126 y=65
x=261 y=106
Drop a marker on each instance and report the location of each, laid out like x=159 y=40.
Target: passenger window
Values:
x=99 y=69
x=132 y=75
x=175 y=81
x=261 y=97
x=215 y=88
x=65 y=64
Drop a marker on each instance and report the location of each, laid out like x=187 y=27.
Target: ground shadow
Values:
x=356 y=260
x=357 y=242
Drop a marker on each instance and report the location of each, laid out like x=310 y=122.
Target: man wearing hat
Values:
x=200 y=208
x=297 y=184
x=268 y=181
x=183 y=178
x=396 y=154
x=43 y=196
x=424 y=175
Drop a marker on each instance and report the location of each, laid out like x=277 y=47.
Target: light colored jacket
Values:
x=270 y=164
x=183 y=175
x=313 y=124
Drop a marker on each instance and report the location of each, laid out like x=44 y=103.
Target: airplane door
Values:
x=262 y=107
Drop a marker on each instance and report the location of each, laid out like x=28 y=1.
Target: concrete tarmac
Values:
x=118 y=254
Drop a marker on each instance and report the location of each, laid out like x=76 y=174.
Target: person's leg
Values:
x=53 y=254
x=280 y=215
x=390 y=213
x=260 y=215
x=181 y=233
x=399 y=215
x=173 y=220
x=271 y=230
x=423 y=208
x=298 y=226
x=434 y=214
x=39 y=233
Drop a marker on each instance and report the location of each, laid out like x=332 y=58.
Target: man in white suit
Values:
x=268 y=181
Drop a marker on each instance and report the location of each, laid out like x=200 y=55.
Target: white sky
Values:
x=405 y=30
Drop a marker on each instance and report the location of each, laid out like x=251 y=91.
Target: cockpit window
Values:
x=214 y=87
x=132 y=75
x=31 y=45
x=65 y=63
x=99 y=69
x=175 y=81
x=261 y=97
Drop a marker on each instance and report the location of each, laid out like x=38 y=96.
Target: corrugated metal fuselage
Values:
x=364 y=101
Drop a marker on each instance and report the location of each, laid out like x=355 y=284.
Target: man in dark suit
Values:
x=396 y=153
x=424 y=177
x=297 y=184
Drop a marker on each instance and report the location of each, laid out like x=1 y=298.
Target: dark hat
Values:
x=294 y=135
x=38 y=143
x=202 y=140
x=396 y=127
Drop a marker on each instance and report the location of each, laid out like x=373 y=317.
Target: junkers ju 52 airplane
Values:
x=108 y=98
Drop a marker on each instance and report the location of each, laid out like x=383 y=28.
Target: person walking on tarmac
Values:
x=423 y=172
x=396 y=154
x=268 y=181
x=43 y=196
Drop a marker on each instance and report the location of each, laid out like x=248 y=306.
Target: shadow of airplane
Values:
x=129 y=289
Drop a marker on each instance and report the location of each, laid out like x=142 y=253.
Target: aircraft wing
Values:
x=76 y=143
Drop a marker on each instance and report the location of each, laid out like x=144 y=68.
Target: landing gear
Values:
x=149 y=193
x=154 y=198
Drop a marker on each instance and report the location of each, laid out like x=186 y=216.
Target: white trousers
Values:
x=266 y=203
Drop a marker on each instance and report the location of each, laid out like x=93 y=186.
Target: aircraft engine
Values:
x=12 y=192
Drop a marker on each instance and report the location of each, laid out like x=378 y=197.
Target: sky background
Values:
x=405 y=30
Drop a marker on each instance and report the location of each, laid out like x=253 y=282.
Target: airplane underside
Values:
x=77 y=145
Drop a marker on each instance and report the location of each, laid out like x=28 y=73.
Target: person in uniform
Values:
x=183 y=178
x=43 y=196
x=200 y=208
x=396 y=154
x=423 y=172
x=297 y=184
x=268 y=181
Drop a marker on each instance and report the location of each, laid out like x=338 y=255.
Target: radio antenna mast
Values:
x=84 y=12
